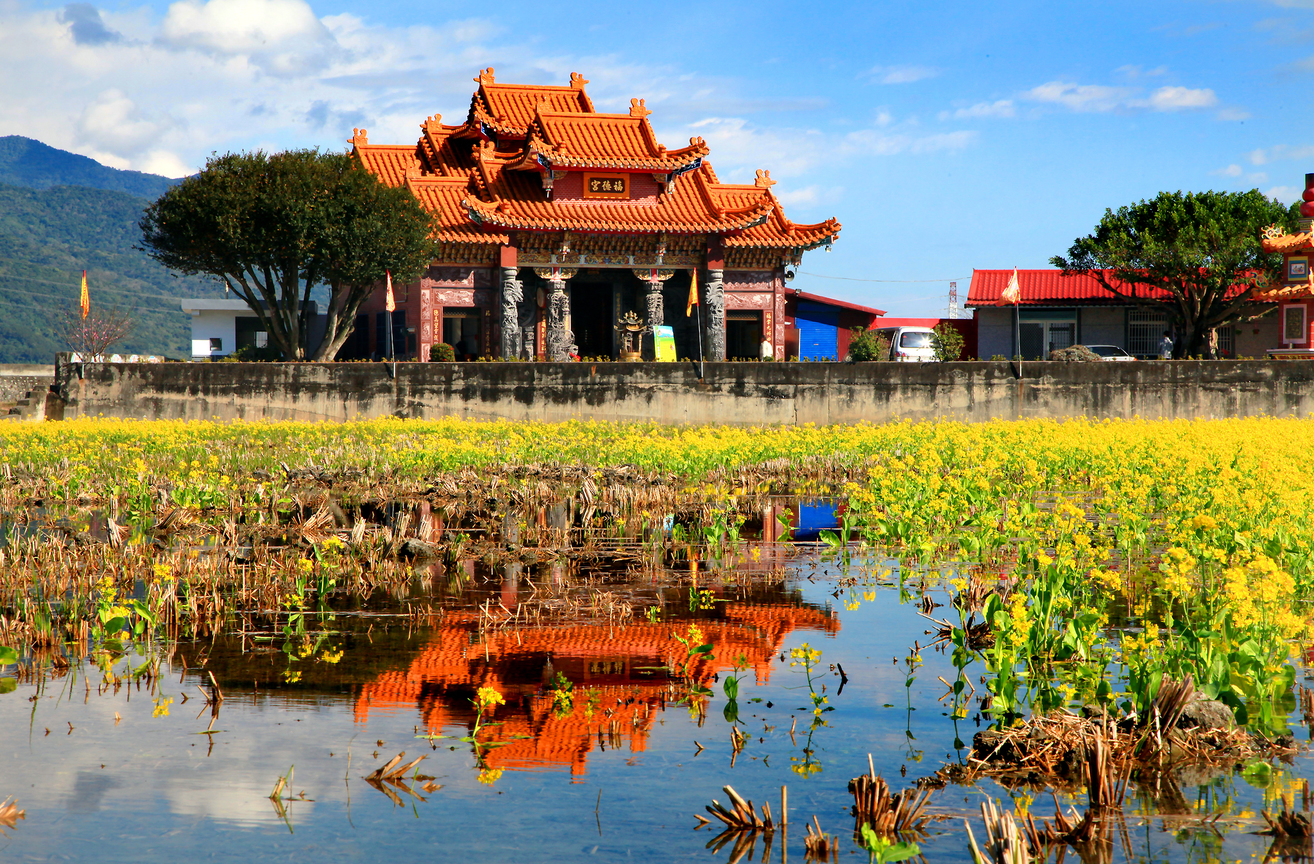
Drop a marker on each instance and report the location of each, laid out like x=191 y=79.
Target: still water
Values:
x=617 y=773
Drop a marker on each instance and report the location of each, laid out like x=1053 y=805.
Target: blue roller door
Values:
x=818 y=332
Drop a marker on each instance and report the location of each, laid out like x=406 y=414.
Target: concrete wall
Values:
x=736 y=393
x=18 y=378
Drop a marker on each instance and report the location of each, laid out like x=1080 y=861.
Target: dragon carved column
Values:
x=513 y=291
x=560 y=340
x=714 y=295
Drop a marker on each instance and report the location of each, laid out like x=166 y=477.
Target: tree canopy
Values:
x=1203 y=250
x=273 y=227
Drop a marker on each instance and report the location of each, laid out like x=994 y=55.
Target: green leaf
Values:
x=703 y=649
x=8 y=656
x=8 y=685
x=731 y=688
x=1258 y=774
x=731 y=712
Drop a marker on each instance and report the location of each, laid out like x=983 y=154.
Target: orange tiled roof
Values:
x=517 y=203
x=509 y=109
x=389 y=162
x=1289 y=242
x=615 y=141
x=518 y=140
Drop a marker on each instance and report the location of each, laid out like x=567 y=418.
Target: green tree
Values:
x=947 y=342
x=1201 y=249
x=866 y=345
x=273 y=227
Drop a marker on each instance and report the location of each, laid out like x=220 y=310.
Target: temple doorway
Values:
x=743 y=335
x=592 y=317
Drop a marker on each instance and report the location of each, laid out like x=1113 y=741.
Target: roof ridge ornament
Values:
x=576 y=80
x=638 y=109
x=485 y=76
x=359 y=137
x=433 y=124
x=764 y=179
x=1274 y=231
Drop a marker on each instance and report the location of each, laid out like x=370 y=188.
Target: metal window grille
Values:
x=1144 y=330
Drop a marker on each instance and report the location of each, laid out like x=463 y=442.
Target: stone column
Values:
x=714 y=308
x=512 y=293
x=656 y=317
x=560 y=341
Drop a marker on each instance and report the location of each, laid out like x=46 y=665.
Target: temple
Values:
x=1294 y=292
x=558 y=225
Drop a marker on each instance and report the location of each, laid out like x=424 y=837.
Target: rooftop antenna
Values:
x=953 y=300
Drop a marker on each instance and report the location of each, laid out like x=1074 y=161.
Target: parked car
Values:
x=1111 y=352
x=909 y=344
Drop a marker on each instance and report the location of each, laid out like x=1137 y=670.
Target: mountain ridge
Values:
x=33 y=164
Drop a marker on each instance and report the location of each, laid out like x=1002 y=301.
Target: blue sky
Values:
x=945 y=137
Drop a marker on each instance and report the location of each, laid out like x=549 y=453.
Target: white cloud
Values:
x=1229 y=171
x=1280 y=152
x=114 y=123
x=1233 y=114
x=875 y=143
x=999 y=108
x=243 y=27
x=903 y=74
x=1101 y=98
x=809 y=196
x=1079 y=97
x=1285 y=194
x=1182 y=98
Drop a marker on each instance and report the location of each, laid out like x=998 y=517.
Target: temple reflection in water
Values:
x=619 y=675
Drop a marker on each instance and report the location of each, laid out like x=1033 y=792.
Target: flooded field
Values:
x=561 y=663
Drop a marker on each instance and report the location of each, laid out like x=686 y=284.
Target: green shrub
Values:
x=442 y=353
x=947 y=342
x=867 y=345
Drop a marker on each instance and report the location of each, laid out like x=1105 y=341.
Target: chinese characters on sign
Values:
x=606 y=186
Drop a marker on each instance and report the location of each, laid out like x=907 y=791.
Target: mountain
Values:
x=50 y=233
x=27 y=162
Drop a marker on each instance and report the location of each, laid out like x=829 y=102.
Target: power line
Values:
x=899 y=281
x=74 y=287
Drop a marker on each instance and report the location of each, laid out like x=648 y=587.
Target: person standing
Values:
x=1166 y=347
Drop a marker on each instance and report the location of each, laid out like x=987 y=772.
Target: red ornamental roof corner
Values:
x=519 y=159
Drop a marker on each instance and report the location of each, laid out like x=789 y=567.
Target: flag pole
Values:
x=698 y=317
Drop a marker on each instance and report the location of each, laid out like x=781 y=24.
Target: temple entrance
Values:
x=743 y=335
x=592 y=317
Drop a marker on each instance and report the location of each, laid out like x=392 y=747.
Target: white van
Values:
x=909 y=344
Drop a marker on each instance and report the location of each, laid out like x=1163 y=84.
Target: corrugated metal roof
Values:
x=1050 y=287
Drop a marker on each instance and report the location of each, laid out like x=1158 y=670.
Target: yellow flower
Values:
x=488 y=697
x=162 y=706
x=488 y=776
x=329 y=655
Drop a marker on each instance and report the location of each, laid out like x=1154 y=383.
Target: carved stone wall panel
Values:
x=748 y=300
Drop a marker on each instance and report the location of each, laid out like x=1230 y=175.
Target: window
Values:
x=1293 y=324
x=1145 y=327
x=216 y=344
x=916 y=339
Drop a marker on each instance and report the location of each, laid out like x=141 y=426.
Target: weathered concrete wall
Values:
x=738 y=393
x=18 y=378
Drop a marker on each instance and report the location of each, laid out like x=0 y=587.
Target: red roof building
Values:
x=555 y=220
x=1055 y=311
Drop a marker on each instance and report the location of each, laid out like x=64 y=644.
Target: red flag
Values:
x=1013 y=293
x=391 y=304
x=693 y=292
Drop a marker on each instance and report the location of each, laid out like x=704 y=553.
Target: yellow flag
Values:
x=86 y=298
x=390 y=304
x=693 y=293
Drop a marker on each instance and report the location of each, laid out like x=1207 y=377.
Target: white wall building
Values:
x=220 y=327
